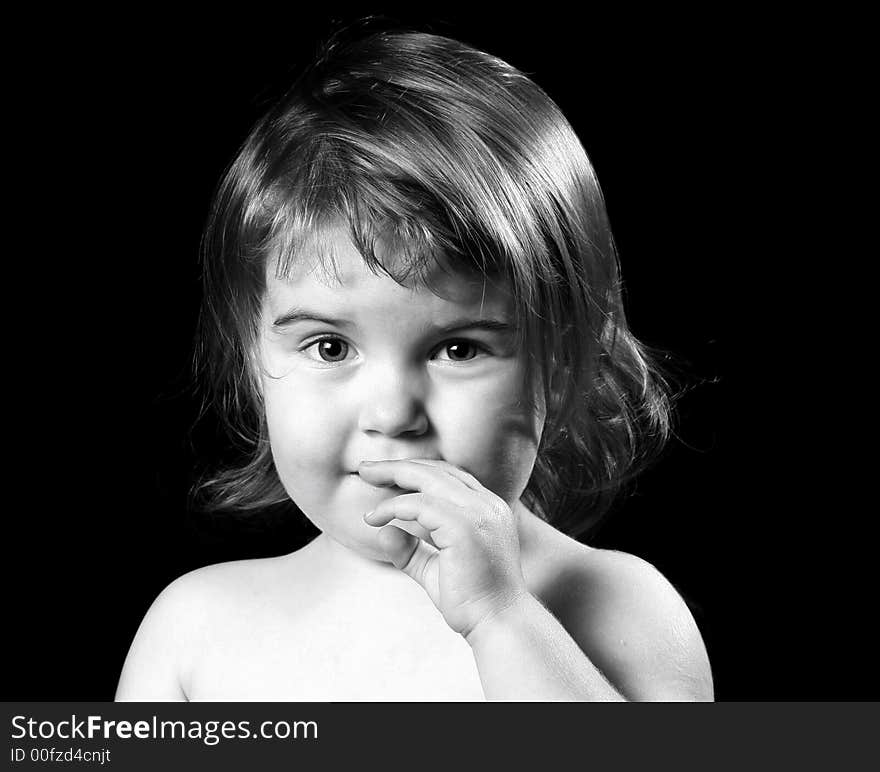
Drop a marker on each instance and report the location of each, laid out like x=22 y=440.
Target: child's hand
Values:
x=475 y=572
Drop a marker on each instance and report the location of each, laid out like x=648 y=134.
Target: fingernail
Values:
x=367 y=516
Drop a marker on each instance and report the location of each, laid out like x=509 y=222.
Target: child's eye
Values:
x=459 y=350
x=328 y=349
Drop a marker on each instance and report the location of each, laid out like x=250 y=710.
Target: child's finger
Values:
x=413 y=476
x=407 y=552
x=430 y=513
x=459 y=474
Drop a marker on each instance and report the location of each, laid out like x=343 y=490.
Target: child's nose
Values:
x=393 y=405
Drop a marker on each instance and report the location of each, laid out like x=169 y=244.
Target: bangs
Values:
x=403 y=245
x=413 y=199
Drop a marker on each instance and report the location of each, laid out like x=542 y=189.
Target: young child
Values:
x=412 y=312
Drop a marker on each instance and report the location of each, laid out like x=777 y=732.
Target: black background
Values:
x=124 y=128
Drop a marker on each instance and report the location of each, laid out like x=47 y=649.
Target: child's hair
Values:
x=451 y=156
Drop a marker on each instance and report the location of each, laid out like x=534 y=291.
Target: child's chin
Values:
x=364 y=545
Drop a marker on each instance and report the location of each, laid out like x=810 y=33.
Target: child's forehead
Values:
x=328 y=264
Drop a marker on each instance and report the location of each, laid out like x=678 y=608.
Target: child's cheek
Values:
x=510 y=459
x=304 y=442
x=495 y=436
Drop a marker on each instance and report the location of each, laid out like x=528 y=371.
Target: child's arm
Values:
x=524 y=653
x=152 y=667
x=626 y=615
x=636 y=627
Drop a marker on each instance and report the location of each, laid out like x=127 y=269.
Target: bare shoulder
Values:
x=190 y=611
x=628 y=619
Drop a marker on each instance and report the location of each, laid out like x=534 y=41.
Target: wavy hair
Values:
x=455 y=157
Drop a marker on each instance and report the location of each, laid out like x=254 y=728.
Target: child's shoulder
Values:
x=183 y=618
x=626 y=616
x=198 y=594
x=222 y=582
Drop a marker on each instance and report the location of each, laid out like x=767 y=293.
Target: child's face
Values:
x=388 y=383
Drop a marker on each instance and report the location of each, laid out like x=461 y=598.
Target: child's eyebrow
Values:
x=490 y=325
